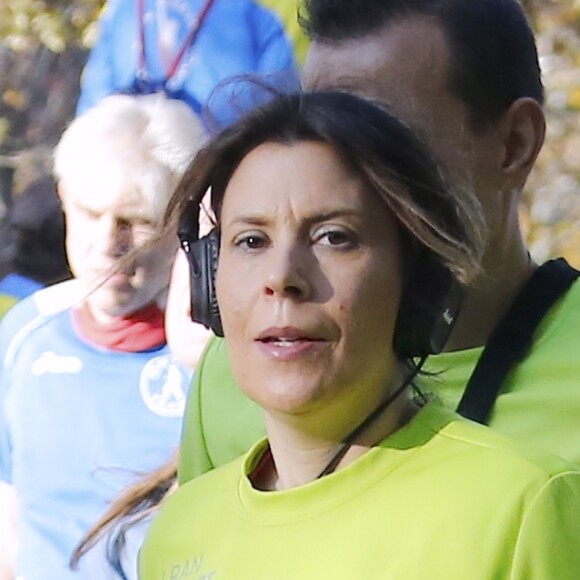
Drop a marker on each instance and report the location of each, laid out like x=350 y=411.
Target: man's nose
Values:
x=116 y=237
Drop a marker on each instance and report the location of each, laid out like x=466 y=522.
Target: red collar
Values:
x=142 y=330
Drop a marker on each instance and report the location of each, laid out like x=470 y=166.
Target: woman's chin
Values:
x=286 y=396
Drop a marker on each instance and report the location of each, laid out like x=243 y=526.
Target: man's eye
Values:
x=91 y=214
x=143 y=227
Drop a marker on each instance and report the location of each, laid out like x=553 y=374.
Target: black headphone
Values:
x=202 y=256
x=430 y=301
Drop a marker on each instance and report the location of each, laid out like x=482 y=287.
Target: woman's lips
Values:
x=288 y=344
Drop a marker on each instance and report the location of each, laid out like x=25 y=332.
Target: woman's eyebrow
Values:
x=315 y=217
x=249 y=219
x=330 y=214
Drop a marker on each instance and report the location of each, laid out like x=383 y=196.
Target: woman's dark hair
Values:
x=382 y=151
x=135 y=503
x=493 y=55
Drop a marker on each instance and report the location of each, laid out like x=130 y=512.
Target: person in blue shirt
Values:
x=187 y=48
x=90 y=393
x=110 y=548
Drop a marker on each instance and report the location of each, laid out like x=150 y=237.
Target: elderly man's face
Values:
x=107 y=219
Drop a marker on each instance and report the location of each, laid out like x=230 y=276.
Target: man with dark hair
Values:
x=491 y=58
x=464 y=75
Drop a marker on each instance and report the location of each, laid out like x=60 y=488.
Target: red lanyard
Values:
x=187 y=43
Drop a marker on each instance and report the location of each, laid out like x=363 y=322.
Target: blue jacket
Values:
x=238 y=37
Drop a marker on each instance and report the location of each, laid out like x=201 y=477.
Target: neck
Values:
x=506 y=268
x=300 y=457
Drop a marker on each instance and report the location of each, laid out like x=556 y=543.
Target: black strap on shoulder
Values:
x=512 y=338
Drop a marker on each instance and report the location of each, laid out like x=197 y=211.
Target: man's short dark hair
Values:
x=494 y=60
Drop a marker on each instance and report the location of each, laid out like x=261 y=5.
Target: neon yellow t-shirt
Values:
x=540 y=400
x=441 y=498
x=539 y=404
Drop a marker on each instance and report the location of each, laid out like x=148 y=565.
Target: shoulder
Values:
x=192 y=502
x=522 y=499
x=213 y=485
x=59 y=296
x=474 y=473
x=218 y=480
x=214 y=370
x=34 y=311
x=215 y=356
x=221 y=423
x=45 y=302
x=563 y=319
x=480 y=444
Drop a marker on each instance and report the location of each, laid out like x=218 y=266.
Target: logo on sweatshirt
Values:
x=190 y=569
x=50 y=362
x=163 y=385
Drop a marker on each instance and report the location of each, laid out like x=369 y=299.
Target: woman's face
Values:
x=308 y=283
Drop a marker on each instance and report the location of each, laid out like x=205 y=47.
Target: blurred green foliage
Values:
x=56 y=24
x=551 y=208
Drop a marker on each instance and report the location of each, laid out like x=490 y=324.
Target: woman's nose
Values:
x=287 y=274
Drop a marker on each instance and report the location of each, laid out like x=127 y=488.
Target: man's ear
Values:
x=524 y=129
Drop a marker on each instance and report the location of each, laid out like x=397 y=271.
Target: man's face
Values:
x=105 y=221
x=405 y=66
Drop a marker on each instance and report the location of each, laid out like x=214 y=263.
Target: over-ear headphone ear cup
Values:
x=430 y=304
x=203 y=257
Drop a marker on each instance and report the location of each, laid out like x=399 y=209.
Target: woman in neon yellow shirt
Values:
x=341 y=257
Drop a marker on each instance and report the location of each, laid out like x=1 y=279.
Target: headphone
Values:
x=430 y=301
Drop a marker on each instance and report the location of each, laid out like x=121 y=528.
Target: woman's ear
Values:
x=60 y=191
x=524 y=129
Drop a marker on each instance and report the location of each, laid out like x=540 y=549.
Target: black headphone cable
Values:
x=353 y=435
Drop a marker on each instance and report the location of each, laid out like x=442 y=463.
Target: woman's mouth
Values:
x=288 y=344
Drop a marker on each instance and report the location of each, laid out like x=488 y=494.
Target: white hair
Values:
x=146 y=141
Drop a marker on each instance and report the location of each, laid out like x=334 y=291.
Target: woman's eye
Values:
x=250 y=241
x=336 y=238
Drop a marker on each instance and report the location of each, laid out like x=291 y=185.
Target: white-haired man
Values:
x=90 y=393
